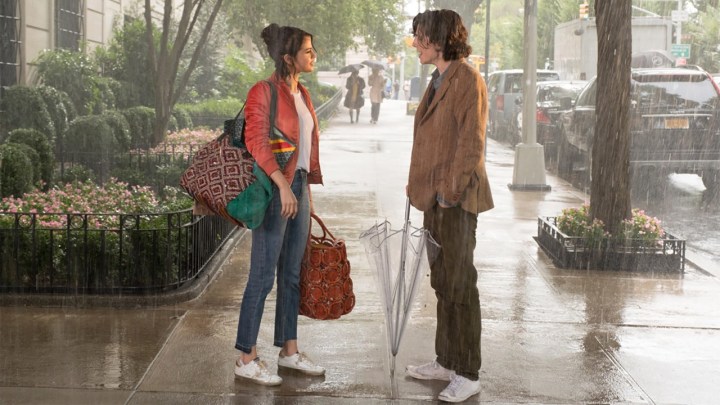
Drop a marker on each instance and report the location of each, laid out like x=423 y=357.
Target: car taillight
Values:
x=500 y=103
x=541 y=117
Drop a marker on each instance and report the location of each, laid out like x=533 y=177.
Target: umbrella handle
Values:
x=407 y=214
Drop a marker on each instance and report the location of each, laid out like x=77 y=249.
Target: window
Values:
x=513 y=83
x=69 y=24
x=9 y=42
x=493 y=82
x=587 y=97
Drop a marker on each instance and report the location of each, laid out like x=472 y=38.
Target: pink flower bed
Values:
x=114 y=197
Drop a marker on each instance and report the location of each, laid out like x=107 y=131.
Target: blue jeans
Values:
x=278 y=243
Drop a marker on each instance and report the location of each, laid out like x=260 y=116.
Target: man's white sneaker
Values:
x=430 y=371
x=257 y=372
x=301 y=362
x=459 y=389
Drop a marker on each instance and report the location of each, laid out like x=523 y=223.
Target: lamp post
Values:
x=529 y=169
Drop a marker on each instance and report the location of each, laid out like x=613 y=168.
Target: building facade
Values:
x=28 y=27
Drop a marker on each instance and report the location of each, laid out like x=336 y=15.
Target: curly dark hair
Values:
x=283 y=41
x=444 y=29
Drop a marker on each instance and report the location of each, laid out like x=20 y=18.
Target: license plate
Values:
x=676 y=123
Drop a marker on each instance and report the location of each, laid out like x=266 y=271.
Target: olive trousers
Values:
x=453 y=276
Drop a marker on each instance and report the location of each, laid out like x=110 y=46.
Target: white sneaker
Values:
x=459 y=389
x=301 y=362
x=430 y=371
x=257 y=372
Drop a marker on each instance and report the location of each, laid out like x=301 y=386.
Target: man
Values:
x=448 y=182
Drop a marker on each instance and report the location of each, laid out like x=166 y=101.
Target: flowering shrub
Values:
x=576 y=222
x=641 y=228
x=114 y=197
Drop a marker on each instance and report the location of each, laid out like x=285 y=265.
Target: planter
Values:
x=569 y=252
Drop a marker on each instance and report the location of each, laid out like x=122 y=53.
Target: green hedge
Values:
x=39 y=143
x=141 y=120
x=34 y=161
x=23 y=107
x=213 y=113
x=120 y=128
x=16 y=171
x=58 y=105
x=91 y=140
x=182 y=117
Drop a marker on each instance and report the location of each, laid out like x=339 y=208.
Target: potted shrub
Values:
x=572 y=240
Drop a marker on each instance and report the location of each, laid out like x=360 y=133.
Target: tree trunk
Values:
x=165 y=60
x=610 y=190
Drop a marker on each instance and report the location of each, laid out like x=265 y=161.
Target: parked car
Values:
x=504 y=87
x=552 y=97
x=674 y=127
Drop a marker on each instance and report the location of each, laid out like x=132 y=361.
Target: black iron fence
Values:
x=129 y=254
x=327 y=109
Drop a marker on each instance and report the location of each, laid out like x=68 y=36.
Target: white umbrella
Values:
x=400 y=257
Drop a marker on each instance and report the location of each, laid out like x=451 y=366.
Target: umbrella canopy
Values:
x=354 y=67
x=399 y=257
x=374 y=64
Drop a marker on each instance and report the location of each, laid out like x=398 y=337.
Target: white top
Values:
x=306 y=128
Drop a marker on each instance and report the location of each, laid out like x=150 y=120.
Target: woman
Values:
x=354 y=99
x=376 y=81
x=280 y=241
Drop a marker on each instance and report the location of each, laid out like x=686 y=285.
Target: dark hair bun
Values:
x=271 y=36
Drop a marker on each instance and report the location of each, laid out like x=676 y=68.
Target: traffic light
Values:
x=584 y=11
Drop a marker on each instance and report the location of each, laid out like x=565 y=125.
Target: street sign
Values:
x=680 y=50
x=679 y=16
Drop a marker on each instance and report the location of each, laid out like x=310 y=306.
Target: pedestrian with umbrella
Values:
x=354 y=97
x=449 y=184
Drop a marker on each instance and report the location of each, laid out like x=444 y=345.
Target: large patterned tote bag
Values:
x=224 y=177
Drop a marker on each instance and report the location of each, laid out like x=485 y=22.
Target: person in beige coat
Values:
x=376 y=81
x=448 y=183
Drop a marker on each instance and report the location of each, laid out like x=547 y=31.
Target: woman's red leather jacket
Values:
x=257 y=129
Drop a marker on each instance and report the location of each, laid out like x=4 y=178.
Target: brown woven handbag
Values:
x=326 y=290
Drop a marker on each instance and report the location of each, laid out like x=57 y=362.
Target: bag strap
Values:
x=273 y=109
x=326 y=232
x=273 y=103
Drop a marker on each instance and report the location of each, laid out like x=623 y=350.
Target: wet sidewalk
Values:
x=549 y=336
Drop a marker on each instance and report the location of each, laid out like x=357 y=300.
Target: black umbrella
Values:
x=374 y=64
x=354 y=67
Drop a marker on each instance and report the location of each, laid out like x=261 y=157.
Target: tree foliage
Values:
x=126 y=60
x=334 y=24
x=166 y=58
x=704 y=33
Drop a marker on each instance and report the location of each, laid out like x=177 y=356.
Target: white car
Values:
x=716 y=77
